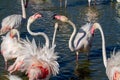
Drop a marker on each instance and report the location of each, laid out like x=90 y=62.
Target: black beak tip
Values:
x=54 y=16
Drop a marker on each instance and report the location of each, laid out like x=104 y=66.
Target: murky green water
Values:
x=108 y=15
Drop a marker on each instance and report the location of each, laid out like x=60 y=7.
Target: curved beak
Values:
x=54 y=16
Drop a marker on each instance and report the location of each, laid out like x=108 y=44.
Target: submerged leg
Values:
x=60 y=3
x=6 y=65
x=65 y=3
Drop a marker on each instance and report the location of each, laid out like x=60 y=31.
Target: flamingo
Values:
x=13 y=21
x=83 y=39
x=10 y=45
x=39 y=62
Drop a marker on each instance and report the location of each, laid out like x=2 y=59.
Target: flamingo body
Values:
x=10 y=45
x=83 y=38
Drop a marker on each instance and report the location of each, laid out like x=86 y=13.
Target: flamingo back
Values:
x=10 y=22
x=83 y=38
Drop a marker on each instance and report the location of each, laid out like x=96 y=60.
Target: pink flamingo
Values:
x=112 y=64
x=39 y=62
x=83 y=39
x=13 y=21
x=10 y=45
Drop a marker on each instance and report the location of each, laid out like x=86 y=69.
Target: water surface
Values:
x=87 y=68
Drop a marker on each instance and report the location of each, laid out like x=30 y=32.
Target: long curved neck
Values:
x=56 y=26
x=72 y=36
x=38 y=33
x=103 y=47
x=23 y=9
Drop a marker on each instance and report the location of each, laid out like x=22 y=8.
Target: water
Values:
x=107 y=15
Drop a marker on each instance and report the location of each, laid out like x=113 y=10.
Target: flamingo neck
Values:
x=103 y=47
x=38 y=33
x=23 y=9
x=56 y=26
x=72 y=35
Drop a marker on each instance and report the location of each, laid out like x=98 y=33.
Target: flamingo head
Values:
x=61 y=18
x=34 y=17
x=14 y=33
x=94 y=27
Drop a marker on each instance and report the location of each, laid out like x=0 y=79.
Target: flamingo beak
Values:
x=13 y=35
x=92 y=30
x=55 y=16
x=37 y=15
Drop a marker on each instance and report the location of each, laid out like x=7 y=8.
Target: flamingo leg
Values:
x=6 y=65
x=65 y=3
x=77 y=56
x=60 y=3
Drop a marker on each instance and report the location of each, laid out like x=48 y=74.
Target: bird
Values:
x=10 y=45
x=39 y=62
x=83 y=39
x=13 y=21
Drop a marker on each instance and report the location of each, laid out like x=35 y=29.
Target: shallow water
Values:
x=87 y=68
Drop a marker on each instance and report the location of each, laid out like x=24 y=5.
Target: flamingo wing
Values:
x=10 y=22
x=83 y=37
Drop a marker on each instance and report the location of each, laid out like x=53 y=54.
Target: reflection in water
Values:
x=39 y=1
x=82 y=70
x=90 y=14
x=100 y=1
x=117 y=7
